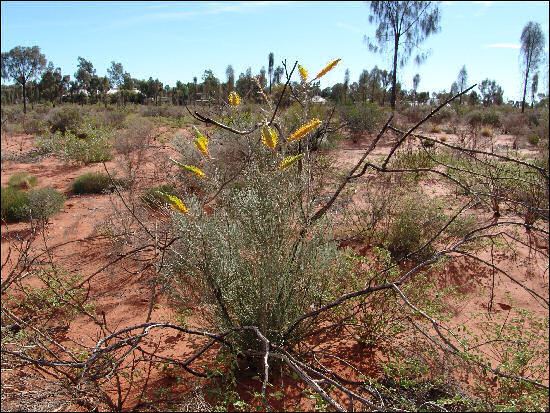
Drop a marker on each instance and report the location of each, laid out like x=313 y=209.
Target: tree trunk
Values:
x=394 y=74
x=524 y=90
x=24 y=97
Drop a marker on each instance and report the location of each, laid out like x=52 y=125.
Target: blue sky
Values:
x=178 y=40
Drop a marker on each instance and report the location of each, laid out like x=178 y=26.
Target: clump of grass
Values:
x=22 y=180
x=435 y=129
x=94 y=183
x=486 y=132
x=15 y=204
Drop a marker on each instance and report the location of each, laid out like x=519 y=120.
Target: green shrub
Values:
x=478 y=118
x=45 y=202
x=446 y=114
x=34 y=126
x=94 y=147
x=534 y=140
x=415 y=220
x=94 y=183
x=22 y=180
x=361 y=117
x=248 y=262
x=65 y=118
x=15 y=204
x=40 y=203
x=492 y=118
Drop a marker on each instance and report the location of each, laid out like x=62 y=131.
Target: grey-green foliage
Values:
x=90 y=146
x=45 y=202
x=247 y=258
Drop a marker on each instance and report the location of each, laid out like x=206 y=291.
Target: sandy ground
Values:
x=122 y=291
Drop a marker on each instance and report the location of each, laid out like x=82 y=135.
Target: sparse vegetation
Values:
x=252 y=259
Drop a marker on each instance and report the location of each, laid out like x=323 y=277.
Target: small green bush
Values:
x=15 y=204
x=361 y=117
x=95 y=146
x=478 y=118
x=22 y=180
x=34 y=126
x=45 y=202
x=66 y=118
x=534 y=140
x=415 y=220
x=94 y=183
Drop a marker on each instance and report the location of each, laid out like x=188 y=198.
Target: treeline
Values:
x=36 y=81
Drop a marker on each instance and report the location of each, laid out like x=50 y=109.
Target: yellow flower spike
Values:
x=303 y=73
x=177 y=203
x=190 y=168
x=234 y=99
x=269 y=137
x=201 y=142
x=327 y=69
x=290 y=160
x=304 y=130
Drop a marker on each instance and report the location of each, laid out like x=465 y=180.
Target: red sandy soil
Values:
x=123 y=295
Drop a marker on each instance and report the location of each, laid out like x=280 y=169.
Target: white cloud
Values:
x=503 y=46
x=207 y=9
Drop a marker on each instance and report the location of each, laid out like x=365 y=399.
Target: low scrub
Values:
x=94 y=147
x=65 y=118
x=15 y=204
x=18 y=205
x=94 y=183
x=362 y=117
x=22 y=180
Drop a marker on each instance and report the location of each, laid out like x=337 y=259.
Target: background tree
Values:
x=534 y=88
x=416 y=82
x=531 y=53
x=23 y=64
x=278 y=74
x=491 y=93
x=346 y=84
x=128 y=85
x=271 y=62
x=104 y=87
x=116 y=77
x=402 y=26
x=462 y=81
x=230 y=75
x=363 y=84
x=83 y=76
x=51 y=83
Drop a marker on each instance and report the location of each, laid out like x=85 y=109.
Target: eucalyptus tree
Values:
x=534 y=88
x=531 y=53
x=230 y=75
x=23 y=64
x=271 y=62
x=416 y=82
x=462 y=81
x=51 y=84
x=401 y=27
